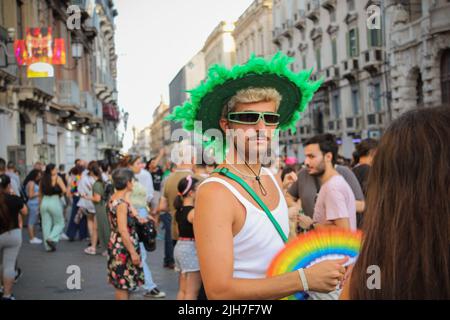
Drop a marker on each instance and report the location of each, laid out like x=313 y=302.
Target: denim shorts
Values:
x=185 y=254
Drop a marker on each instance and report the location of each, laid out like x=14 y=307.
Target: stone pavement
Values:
x=44 y=274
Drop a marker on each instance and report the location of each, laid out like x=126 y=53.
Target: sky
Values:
x=154 y=40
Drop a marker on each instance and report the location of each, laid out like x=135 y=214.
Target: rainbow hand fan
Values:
x=313 y=247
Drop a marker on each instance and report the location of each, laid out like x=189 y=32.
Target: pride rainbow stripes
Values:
x=313 y=247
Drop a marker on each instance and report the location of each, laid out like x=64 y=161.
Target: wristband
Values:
x=301 y=272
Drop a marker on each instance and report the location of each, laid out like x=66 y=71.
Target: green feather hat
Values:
x=209 y=98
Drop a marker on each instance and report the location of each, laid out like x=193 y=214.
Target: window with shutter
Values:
x=356 y=42
x=374 y=38
x=347 y=36
x=318 y=59
x=334 y=50
x=353 y=43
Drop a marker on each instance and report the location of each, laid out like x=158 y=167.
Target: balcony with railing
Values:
x=300 y=19
x=36 y=92
x=104 y=86
x=69 y=93
x=316 y=34
x=331 y=75
x=350 y=68
x=46 y=85
x=372 y=60
x=276 y=35
x=92 y=26
x=328 y=4
x=318 y=75
x=313 y=10
x=287 y=28
x=88 y=104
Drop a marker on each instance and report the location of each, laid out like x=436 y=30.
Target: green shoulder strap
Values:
x=225 y=172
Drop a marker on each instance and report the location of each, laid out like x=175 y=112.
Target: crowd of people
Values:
x=105 y=203
x=224 y=223
x=71 y=206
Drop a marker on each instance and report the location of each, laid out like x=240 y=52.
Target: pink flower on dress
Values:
x=123 y=258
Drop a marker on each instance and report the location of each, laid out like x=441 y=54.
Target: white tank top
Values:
x=258 y=241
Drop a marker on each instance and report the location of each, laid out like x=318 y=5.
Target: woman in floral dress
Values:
x=124 y=263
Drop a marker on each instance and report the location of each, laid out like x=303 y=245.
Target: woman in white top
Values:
x=85 y=189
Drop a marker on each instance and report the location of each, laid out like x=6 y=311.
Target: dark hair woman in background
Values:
x=74 y=228
x=32 y=190
x=101 y=224
x=407 y=220
x=185 y=252
x=11 y=207
x=52 y=216
x=124 y=263
x=94 y=174
x=362 y=160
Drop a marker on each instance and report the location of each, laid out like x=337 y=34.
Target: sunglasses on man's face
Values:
x=253 y=117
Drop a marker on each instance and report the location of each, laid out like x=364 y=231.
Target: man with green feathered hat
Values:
x=241 y=215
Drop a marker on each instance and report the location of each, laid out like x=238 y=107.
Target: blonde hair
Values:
x=252 y=95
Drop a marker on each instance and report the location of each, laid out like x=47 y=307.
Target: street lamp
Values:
x=77 y=52
x=77 y=49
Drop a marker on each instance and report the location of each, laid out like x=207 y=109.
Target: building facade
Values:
x=332 y=39
x=142 y=143
x=58 y=119
x=253 y=31
x=220 y=47
x=190 y=76
x=420 y=53
x=160 y=129
x=371 y=73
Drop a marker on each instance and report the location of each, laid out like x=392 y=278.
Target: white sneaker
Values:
x=64 y=237
x=36 y=241
x=155 y=293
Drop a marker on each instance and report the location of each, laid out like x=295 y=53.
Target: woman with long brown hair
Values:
x=407 y=221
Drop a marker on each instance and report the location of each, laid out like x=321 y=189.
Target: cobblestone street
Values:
x=45 y=277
